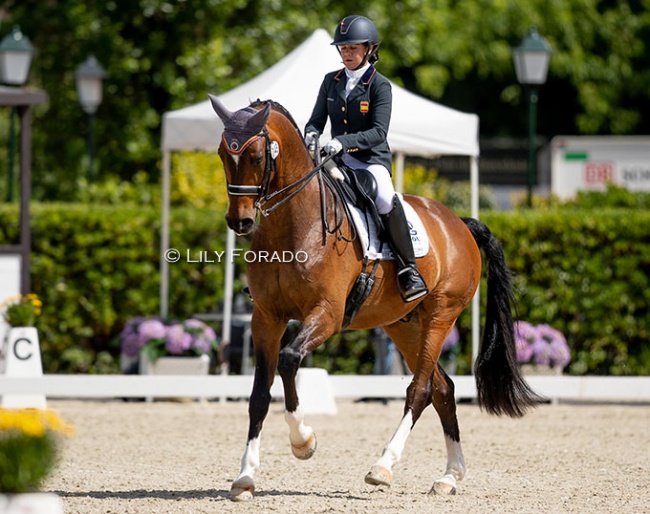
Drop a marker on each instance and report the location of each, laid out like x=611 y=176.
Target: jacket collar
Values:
x=365 y=80
x=341 y=79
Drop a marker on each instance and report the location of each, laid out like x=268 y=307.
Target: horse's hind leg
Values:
x=430 y=384
x=408 y=339
x=418 y=396
x=445 y=405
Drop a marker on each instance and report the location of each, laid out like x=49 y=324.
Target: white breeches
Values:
x=385 y=188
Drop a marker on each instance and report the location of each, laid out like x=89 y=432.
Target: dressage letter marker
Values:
x=22 y=358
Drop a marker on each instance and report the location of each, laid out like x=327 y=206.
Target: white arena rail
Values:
x=574 y=388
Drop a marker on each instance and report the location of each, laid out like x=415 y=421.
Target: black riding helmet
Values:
x=355 y=30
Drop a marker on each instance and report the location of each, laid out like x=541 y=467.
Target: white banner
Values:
x=591 y=163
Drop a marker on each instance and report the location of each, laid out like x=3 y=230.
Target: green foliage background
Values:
x=26 y=461
x=162 y=55
x=96 y=266
x=95 y=260
x=585 y=272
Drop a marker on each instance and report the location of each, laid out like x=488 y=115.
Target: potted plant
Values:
x=29 y=448
x=21 y=310
x=541 y=349
x=162 y=347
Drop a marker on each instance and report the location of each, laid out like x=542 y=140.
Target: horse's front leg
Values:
x=315 y=329
x=266 y=334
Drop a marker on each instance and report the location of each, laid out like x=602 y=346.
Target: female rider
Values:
x=358 y=101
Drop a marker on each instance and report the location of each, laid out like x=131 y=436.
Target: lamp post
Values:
x=15 y=60
x=531 y=59
x=88 y=79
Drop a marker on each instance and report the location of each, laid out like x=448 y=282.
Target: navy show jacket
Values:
x=359 y=122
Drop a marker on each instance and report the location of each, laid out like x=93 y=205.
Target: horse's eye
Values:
x=258 y=160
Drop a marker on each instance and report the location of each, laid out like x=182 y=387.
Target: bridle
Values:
x=261 y=191
x=269 y=168
x=263 y=197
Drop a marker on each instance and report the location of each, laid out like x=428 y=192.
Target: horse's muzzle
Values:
x=241 y=226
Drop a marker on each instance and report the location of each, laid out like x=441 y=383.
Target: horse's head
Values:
x=247 y=154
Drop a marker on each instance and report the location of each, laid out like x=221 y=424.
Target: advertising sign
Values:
x=590 y=163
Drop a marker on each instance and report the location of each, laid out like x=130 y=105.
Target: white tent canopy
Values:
x=418 y=126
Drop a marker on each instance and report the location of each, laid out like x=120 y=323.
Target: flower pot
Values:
x=31 y=503
x=199 y=365
x=537 y=369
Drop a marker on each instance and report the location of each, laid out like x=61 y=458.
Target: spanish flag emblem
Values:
x=364 y=106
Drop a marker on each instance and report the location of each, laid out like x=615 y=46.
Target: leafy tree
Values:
x=162 y=55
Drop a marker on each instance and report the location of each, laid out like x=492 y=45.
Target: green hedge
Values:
x=94 y=267
x=585 y=272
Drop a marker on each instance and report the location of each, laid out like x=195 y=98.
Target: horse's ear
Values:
x=257 y=122
x=220 y=109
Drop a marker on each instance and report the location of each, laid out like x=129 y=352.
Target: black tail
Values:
x=501 y=388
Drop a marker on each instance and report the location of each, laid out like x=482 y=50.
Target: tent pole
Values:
x=164 y=236
x=399 y=172
x=476 y=301
x=473 y=178
x=228 y=287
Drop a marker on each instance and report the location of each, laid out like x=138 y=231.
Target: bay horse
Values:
x=279 y=198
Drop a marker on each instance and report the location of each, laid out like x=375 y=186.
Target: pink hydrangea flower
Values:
x=178 y=341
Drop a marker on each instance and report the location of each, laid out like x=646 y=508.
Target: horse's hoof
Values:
x=379 y=476
x=445 y=486
x=242 y=490
x=305 y=451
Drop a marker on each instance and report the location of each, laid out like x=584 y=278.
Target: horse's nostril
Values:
x=242 y=226
x=246 y=225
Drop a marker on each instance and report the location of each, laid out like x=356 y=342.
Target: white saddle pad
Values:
x=367 y=230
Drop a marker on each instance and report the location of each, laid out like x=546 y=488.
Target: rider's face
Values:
x=352 y=55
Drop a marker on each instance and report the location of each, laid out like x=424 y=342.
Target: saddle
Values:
x=360 y=188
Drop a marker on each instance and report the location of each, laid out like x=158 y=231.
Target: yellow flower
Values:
x=21 y=310
x=33 y=422
x=28 y=447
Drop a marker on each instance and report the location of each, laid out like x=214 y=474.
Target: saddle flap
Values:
x=365 y=183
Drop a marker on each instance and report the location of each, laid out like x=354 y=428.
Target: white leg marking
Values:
x=393 y=451
x=455 y=469
x=299 y=433
x=455 y=459
x=302 y=437
x=251 y=459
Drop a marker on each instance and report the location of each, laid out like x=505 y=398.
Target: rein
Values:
x=291 y=190
x=324 y=180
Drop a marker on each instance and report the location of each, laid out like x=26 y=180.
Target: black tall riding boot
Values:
x=410 y=282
